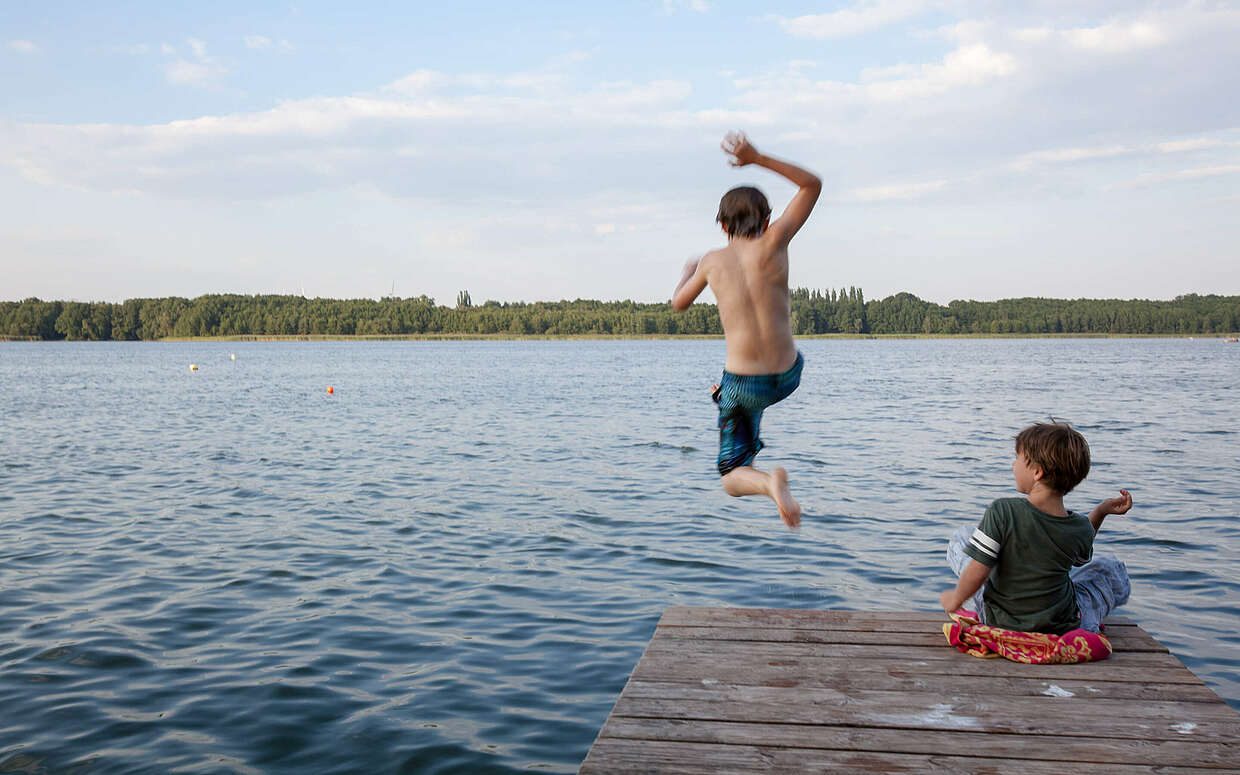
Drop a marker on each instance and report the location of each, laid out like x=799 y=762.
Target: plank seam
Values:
x=962 y=755
x=1160 y=685
x=982 y=732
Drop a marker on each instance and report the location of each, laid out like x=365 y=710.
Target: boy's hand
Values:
x=971 y=580
x=737 y=145
x=1118 y=505
x=1109 y=506
x=785 y=227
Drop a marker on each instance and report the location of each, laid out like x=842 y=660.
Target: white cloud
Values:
x=1123 y=160
x=798 y=97
x=424 y=82
x=307 y=144
x=698 y=6
x=889 y=72
x=183 y=72
x=1068 y=155
x=628 y=95
x=970 y=65
x=1008 y=87
x=264 y=43
x=418 y=82
x=1196 y=144
x=895 y=191
x=1114 y=37
x=23 y=46
x=136 y=48
x=1195 y=173
x=864 y=16
x=447 y=239
x=35 y=174
x=1117 y=37
x=166 y=49
x=202 y=72
x=1032 y=34
x=1062 y=155
x=950 y=127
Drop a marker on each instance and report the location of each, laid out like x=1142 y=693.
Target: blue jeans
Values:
x=1101 y=584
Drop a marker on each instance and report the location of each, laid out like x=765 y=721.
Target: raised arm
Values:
x=1109 y=506
x=743 y=153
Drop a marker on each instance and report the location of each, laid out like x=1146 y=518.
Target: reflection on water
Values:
x=452 y=563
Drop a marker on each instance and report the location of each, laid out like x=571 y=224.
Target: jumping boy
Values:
x=1032 y=554
x=749 y=278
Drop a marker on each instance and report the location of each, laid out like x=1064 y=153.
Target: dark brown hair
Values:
x=1059 y=450
x=743 y=212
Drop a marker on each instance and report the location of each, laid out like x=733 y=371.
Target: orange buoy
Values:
x=331 y=389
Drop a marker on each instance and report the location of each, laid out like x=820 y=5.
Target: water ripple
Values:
x=453 y=562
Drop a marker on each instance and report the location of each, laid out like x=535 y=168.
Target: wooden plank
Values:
x=618 y=756
x=892 y=621
x=1133 y=640
x=1221 y=755
x=776 y=624
x=813 y=672
x=928 y=710
x=930 y=649
x=1120 y=666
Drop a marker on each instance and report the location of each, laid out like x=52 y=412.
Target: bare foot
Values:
x=789 y=509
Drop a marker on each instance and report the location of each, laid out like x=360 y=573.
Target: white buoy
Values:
x=232 y=356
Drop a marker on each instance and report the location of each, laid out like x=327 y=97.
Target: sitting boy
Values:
x=1032 y=554
x=749 y=278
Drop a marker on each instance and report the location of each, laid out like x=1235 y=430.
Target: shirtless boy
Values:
x=749 y=278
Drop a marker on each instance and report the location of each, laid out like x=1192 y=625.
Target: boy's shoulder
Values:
x=1009 y=505
x=722 y=259
x=1018 y=508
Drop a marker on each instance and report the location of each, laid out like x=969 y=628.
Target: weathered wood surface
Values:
x=737 y=690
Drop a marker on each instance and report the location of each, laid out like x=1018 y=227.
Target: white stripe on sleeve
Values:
x=984 y=543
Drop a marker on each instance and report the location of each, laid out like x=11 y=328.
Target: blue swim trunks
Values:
x=741 y=399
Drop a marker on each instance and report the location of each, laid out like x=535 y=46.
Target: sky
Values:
x=557 y=150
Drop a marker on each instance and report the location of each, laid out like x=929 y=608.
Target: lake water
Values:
x=453 y=562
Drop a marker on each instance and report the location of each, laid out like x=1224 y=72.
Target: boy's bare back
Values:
x=749 y=276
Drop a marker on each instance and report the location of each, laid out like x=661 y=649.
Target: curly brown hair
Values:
x=1059 y=450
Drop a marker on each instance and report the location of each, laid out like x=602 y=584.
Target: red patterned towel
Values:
x=1032 y=648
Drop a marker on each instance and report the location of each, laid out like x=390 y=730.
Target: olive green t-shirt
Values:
x=1030 y=553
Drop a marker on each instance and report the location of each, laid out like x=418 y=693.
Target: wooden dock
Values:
x=749 y=690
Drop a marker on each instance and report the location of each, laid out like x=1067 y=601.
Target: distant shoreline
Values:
x=645 y=337
x=833 y=314
x=610 y=337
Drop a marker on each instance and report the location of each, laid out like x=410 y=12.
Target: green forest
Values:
x=829 y=311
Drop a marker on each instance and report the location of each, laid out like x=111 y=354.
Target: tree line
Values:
x=825 y=311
